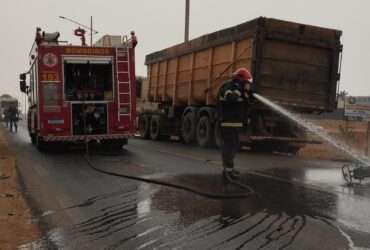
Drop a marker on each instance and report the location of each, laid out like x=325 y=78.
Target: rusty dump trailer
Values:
x=295 y=65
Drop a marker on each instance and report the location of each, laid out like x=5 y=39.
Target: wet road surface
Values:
x=300 y=204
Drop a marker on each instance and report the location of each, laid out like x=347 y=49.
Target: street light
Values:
x=92 y=31
x=187 y=14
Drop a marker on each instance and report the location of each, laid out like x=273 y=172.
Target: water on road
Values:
x=300 y=202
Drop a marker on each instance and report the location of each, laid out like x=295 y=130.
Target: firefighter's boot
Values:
x=231 y=174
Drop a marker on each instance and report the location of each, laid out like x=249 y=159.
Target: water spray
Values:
x=359 y=169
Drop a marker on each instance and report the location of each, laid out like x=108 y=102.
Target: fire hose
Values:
x=228 y=179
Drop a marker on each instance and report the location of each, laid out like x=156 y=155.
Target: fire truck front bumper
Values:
x=77 y=138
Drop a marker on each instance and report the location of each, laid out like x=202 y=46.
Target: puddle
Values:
x=54 y=239
x=158 y=217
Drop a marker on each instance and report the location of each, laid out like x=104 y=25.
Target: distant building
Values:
x=6 y=101
x=353 y=108
x=357 y=108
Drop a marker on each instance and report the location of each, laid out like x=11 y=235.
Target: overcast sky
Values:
x=159 y=24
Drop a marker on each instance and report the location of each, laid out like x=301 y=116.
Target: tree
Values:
x=6 y=96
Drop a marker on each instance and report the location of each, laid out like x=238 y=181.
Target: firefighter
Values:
x=234 y=98
x=13 y=118
x=39 y=39
x=6 y=117
x=133 y=39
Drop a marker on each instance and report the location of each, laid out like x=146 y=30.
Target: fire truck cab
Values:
x=80 y=93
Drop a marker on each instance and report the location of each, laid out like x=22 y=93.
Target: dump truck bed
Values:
x=293 y=64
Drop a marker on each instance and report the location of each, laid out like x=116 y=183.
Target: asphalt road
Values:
x=299 y=204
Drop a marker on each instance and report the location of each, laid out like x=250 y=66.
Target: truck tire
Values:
x=155 y=128
x=205 y=132
x=188 y=128
x=262 y=147
x=290 y=149
x=144 y=126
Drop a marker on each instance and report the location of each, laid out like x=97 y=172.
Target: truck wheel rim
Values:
x=202 y=129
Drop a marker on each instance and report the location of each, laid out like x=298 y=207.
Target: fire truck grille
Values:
x=89 y=118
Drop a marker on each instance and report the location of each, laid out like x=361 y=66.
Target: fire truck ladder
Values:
x=124 y=82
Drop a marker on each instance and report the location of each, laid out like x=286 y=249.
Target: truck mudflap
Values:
x=275 y=139
x=51 y=138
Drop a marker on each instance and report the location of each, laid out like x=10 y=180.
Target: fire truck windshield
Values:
x=88 y=81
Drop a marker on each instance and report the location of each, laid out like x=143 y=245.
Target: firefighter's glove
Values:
x=249 y=96
x=232 y=96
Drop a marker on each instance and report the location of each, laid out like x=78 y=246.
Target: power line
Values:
x=80 y=24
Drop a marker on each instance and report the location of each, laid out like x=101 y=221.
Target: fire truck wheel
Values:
x=188 y=128
x=205 y=133
x=155 y=128
x=144 y=126
x=41 y=144
x=33 y=139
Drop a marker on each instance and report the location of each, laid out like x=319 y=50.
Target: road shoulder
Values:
x=16 y=227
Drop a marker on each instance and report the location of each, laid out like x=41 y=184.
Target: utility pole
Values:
x=91 y=31
x=187 y=14
x=25 y=106
x=367 y=138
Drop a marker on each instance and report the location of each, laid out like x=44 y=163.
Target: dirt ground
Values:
x=15 y=216
x=352 y=133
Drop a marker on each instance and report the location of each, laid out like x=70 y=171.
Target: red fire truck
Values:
x=80 y=93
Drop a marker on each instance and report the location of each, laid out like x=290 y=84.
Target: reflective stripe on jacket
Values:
x=232 y=124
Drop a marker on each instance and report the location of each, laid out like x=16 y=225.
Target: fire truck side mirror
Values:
x=23 y=86
x=22 y=82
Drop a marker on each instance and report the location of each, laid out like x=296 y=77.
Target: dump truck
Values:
x=295 y=65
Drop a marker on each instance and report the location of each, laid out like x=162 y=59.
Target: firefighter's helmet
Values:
x=243 y=74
